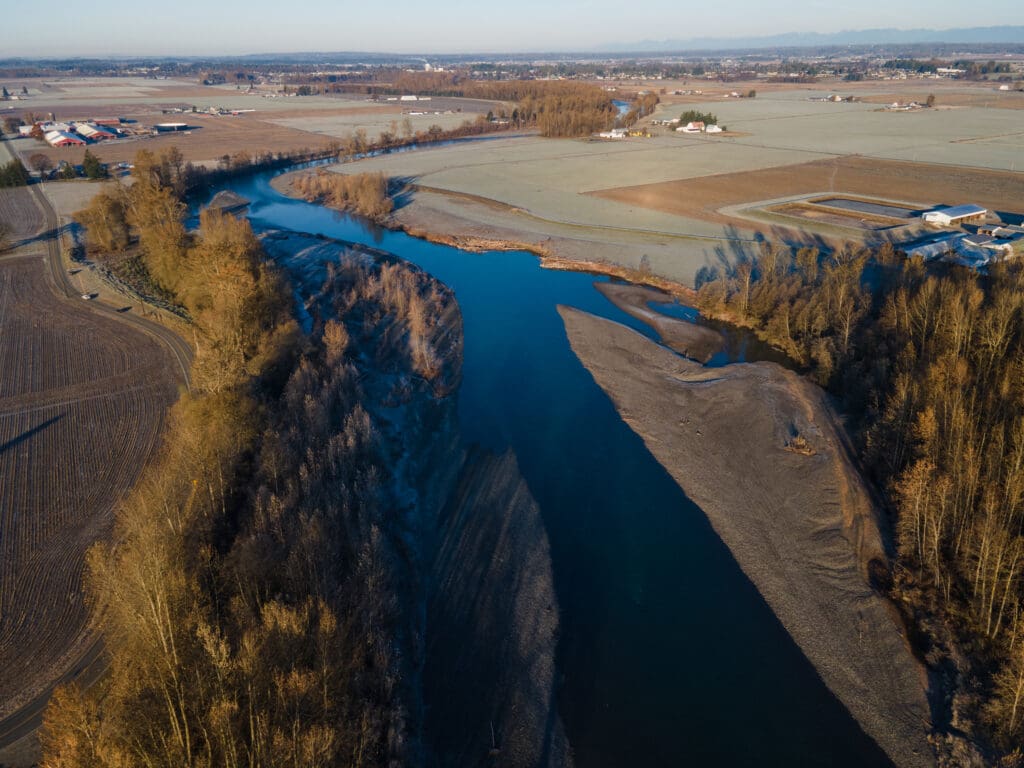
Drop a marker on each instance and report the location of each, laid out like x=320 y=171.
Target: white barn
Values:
x=955 y=215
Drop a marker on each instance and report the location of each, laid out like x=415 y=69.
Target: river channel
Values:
x=668 y=654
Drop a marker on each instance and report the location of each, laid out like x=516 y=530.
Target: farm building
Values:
x=170 y=127
x=974 y=251
x=691 y=127
x=1001 y=230
x=64 y=139
x=712 y=129
x=958 y=214
x=93 y=133
x=614 y=133
x=936 y=248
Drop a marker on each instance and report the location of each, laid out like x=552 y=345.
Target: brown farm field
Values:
x=82 y=400
x=19 y=212
x=987 y=97
x=702 y=198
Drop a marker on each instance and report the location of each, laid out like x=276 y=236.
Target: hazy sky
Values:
x=212 y=27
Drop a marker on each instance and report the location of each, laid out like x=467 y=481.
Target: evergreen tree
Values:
x=92 y=167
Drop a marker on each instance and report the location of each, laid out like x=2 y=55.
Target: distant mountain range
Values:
x=973 y=35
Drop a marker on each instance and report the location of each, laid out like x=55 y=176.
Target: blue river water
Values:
x=668 y=655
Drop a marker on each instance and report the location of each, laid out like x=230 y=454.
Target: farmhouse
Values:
x=959 y=214
x=698 y=126
x=64 y=139
x=692 y=127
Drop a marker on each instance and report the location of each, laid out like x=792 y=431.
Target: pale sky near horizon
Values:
x=230 y=27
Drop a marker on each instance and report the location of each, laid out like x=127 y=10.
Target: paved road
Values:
x=91 y=665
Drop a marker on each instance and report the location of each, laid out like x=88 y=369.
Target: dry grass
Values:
x=82 y=398
x=987 y=97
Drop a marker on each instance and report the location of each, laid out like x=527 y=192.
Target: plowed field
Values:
x=82 y=399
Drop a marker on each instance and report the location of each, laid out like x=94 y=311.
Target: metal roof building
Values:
x=936 y=248
x=956 y=214
x=93 y=133
x=64 y=139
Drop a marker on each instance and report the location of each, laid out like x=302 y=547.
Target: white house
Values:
x=712 y=129
x=614 y=133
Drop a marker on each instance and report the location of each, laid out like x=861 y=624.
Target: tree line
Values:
x=255 y=599
x=696 y=116
x=929 y=368
x=558 y=108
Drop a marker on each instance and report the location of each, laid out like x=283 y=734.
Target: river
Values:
x=668 y=654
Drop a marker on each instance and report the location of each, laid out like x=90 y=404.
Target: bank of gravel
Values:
x=696 y=342
x=758 y=449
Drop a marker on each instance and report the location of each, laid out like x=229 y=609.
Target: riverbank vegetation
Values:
x=641 y=107
x=928 y=367
x=363 y=193
x=255 y=601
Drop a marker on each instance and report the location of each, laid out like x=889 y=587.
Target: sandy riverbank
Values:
x=758 y=449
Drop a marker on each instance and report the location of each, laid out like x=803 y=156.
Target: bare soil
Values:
x=82 y=400
x=702 y=198
x=19 y=211
x=760 y=451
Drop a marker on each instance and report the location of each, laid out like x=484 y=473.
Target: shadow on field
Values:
x=43 y=237
x=15 y=442
x=404 y=187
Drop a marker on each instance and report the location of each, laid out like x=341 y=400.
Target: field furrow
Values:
x=82 y=400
